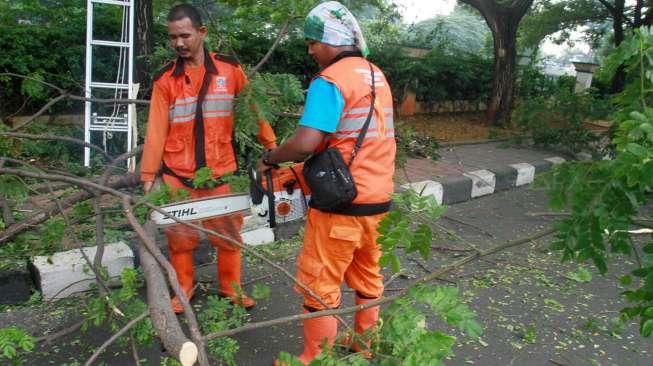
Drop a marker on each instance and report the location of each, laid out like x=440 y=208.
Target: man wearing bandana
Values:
x=341 y=244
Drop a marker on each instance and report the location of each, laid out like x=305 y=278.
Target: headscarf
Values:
x=332 y=23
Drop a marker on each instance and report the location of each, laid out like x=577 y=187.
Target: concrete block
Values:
x=427 y=188
x=542 y=166
x=15 y=286
x=525 y=173
x=66 y=273
x=556 y=160
x=483 y=182
x=457 y=188
x=264 y=235
x=505 y=178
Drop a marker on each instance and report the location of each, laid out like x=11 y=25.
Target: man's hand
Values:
x=261 y=167
x=147 y=187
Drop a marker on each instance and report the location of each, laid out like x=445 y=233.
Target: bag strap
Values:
x=198 y=128
x=361 y=135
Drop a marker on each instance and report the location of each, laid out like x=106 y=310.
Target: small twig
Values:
x=7 y=215
x=49 y=338
x=114 y=337
x=36 y=115
x=447 y=249
x=282 y=33
x=383 y=300
x=557 y=363
x=137 y=359
x=487 y=233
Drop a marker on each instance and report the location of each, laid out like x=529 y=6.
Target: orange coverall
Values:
x=171 y=140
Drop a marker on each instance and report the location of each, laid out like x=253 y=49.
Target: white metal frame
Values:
x=92 y=122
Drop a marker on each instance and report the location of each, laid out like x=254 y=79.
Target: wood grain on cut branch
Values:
x=430 y=277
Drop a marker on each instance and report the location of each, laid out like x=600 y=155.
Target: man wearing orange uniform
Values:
x=190 y=126
x=342 y=244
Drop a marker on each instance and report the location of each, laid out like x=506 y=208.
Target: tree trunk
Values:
x=619 y=79
x=144 y=44
x=503 y=18
x=505 y=39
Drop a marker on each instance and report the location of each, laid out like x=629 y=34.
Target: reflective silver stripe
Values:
x=214 y=105
x=355 y=124
x=365 y=110
x=184 y=111
x=370 y=134
x=182 y=101
x=217 y=114
x=217 y=105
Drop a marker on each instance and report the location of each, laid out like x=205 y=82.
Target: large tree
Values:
x=549 y=16
x=503 y=18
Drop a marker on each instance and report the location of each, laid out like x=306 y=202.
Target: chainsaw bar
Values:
x=202 y=208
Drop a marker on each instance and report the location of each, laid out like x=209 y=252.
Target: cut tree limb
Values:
x=163 y=318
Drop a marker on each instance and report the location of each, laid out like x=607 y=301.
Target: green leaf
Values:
x=637 y=150
x=581 y=275
x=261 y=292
x=626 y=280
x=646 y=327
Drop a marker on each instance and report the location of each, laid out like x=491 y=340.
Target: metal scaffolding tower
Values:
x=122 y=119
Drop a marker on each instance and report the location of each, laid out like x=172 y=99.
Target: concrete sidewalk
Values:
x=469 y=171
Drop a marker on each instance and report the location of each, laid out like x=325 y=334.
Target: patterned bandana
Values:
x=333 y=24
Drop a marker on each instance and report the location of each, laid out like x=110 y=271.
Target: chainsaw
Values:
x=279 y=198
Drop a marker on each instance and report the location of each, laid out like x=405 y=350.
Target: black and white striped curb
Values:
x=460 y=188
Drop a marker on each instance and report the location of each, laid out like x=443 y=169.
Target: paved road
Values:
x=532 y=313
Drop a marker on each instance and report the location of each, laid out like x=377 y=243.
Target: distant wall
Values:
x=410 y=106
x=58 y=119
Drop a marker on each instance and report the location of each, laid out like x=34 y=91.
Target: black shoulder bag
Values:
x=328 y=176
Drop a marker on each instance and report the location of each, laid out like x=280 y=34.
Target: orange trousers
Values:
x=182 y=238
x=336 y=248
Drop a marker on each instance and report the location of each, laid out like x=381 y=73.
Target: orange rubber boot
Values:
x=229 y=278
x=183 y=264
x=364 y=320
x=315 y=331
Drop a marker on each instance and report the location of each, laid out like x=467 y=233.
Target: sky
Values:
x=414 y=11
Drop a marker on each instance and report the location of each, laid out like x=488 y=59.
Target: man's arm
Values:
x=296 y=148
x=324 y=106
x=157 y=132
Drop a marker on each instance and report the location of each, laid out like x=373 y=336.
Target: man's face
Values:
x=185 y=39
x=322 y=53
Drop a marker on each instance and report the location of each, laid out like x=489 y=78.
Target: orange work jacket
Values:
x=373 y=168
x=171 y=120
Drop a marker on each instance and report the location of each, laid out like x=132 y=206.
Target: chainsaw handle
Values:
x=270 y=194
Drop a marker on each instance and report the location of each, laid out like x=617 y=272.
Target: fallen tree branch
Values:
x=49 y=338
x=114 y=337
x=148 y=243
x=56 y=138
x=432 y=276
x=163 y=318
x=118 y=182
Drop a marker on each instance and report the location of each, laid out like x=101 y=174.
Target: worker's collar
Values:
x=209 y=66
x=344 y=54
